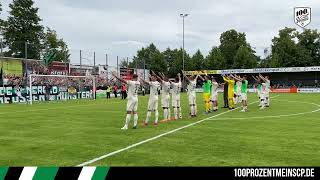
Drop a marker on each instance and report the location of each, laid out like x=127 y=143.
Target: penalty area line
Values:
x=156 y=137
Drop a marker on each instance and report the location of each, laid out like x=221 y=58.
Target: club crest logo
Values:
x=302 y=16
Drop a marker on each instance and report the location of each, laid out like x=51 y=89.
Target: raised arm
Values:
x=197 y=77
x=179 y=76
x=202 y=79
x=185 y=76
x=162 y=75
x=261 y=77
x=159 y=78
x=237 y=78
x=117 y=77
x=225 y=78
x=255 y=78
x=144 y=82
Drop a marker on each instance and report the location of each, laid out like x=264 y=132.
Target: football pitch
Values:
x=87 y=132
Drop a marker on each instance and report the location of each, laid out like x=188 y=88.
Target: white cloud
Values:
x=120 y=27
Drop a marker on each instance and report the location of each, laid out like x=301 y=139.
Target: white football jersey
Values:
x=192 y=87
x=239 y=84
x=176 y=88
x=154 y=88
x=214 y=88
x=268 y=84
x=133 y=87
x=166 y=88
x=264 y=88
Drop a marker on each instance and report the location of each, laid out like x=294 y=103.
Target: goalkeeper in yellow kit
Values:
x=230 y=80
x=206 y=92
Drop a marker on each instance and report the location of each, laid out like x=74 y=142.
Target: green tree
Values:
x=244 y=58
x=51 y=42
x=151 y=57
x=123 y=63
x=196 y=62
x=215 y=59
x=231 y=41
x=168 y=56
x=287 y=53
x=1 y=21
x=23 y=26
x=310 y=41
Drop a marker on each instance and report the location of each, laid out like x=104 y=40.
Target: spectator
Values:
x=124 y=91
x=225 y=95
x=115 y=90
x=108 y=91
x=143 y=91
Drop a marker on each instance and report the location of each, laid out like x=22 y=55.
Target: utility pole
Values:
x=118 y=65
x=80 y=62
x=94 y=63
x=183 y=16
x=26 y=57
x=1 y=47
x=107 y=60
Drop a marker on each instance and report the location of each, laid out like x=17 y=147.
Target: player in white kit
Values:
x=192 y=94
x=263 y=95
x=165 y=95
x=132 y=104
x=267 y=95
x=153 y=99
x=176 y=89
x=214 y=94
x=258 y=87
x=238 y=92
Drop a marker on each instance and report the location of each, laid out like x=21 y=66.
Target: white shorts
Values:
x=132 y=104
x=238 y=93
x=214 y=97
x=259 y=93
x=176 y=101
x=244 y=96
x=153 y=104
x=263 y=96
x=165 y=101
x=192 y=99
x=267 y=95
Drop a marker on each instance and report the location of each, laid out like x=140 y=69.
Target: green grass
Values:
x=70 y=133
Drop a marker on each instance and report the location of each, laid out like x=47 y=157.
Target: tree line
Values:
x=22 y=30
x=290 y=48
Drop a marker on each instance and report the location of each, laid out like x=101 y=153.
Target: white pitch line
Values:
x=155 y=137
x=62 y=107
x=275 y=116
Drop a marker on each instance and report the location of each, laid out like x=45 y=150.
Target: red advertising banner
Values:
x=59 y=68
x=285 y=90
x=126 y=73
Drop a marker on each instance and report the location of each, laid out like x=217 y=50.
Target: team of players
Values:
x=237 y=92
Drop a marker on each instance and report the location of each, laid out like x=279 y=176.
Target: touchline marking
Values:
x=275 y=116
x=62 y=107
x=157 y=137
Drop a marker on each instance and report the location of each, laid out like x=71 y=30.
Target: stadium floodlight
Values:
x=183 y=16
x=60 y=87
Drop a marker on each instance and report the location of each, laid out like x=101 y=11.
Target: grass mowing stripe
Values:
x=3 y=172
x=63 y=107
x=100 y=173
x=276 y=116
x=47 y=173
x=156 y=137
